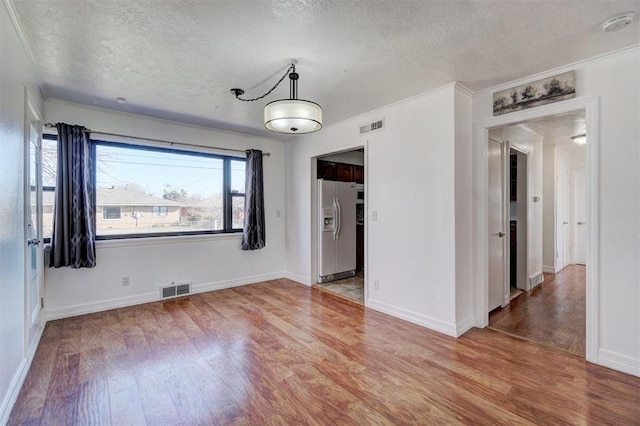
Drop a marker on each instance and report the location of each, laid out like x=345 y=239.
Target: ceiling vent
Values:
x=175 y=290
x=376 y=125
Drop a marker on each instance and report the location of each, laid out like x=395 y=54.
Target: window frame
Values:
x=159 y=211
x=227 y=195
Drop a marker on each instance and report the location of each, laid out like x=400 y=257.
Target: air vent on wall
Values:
x=376 y=125
x=175 y=290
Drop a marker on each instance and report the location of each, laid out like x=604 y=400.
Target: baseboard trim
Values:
x=139 y=299
x=423 y=320
x=221 y=285
x=298 y=278
x=18 y=379
x=549 y=269
x=619 y=362
x=464 y=326
x=103 y=305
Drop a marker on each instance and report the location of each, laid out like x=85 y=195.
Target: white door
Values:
x=580 y=216
x=33 y=233
x=497 y=250
x=562 y=219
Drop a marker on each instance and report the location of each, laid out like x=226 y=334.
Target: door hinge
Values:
x=42 y=303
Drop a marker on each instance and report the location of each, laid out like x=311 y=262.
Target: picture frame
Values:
x=537 y=93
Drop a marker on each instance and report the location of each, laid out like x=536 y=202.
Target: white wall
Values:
x=531 y=143
x=350 y=157
x=411 y=184
x=210 y=262
x=15 y=74
x=615 y=80
x=464 y=212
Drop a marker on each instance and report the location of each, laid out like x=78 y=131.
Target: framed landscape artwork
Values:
x=537 y=93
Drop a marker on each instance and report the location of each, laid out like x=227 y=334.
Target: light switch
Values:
x=374 y=215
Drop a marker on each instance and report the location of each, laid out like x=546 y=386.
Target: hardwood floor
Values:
x=552 y=314
x=282 y=353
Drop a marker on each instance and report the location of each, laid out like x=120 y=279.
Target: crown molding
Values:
x=554 y=71
x=17 y=26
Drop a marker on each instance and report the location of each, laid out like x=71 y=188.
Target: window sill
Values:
x=173 y=239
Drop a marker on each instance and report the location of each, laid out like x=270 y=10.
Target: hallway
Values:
x=552 y=314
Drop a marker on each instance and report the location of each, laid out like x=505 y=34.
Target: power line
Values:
x=162 y=165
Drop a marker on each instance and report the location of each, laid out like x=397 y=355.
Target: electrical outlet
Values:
x=376 y=285
x=278 y=213
x=126 y=281
x=374 y=215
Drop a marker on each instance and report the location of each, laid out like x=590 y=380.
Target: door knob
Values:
x=34 y=242
x=566 y=223
x=501 y=234
x=582 y=223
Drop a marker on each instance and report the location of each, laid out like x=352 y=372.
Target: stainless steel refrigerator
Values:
x=336 y=230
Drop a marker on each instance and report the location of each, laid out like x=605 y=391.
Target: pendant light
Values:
x=291 y=116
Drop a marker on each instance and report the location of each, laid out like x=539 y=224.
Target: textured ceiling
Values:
x=178 y=59
x=558 y=129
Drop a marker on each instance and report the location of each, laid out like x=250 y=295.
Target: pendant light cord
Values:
x=240 y=92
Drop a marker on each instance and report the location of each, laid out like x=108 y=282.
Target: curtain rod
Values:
x=172 y=143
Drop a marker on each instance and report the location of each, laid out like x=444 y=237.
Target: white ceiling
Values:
x=557 y=130
x=178 y=59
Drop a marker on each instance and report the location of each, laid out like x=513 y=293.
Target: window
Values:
x=144 y=191
x=159 y=211
x=110 y=212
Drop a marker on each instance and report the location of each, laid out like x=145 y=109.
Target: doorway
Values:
x=546 y=191
x=341 y=213
x=518 y=227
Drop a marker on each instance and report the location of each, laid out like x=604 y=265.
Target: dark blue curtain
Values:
x=253 y=232
x=74 y=224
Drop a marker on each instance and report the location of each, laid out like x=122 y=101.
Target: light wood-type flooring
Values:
x=552 y=314
x=282 y=353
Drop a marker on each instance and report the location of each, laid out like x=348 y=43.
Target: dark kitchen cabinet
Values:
x=358 y=174
x=341 y=172
x=326 y=170
x=344 y=172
